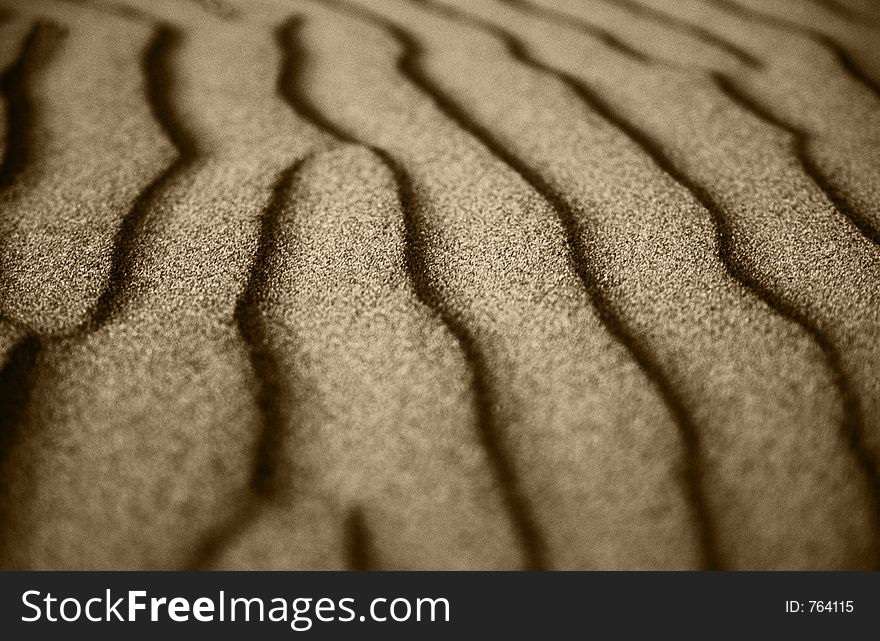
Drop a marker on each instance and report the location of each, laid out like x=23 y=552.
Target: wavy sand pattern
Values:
x=438 y=284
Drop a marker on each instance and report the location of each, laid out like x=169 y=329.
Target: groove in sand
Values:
x=723 y=232
x=526 y=524
x=157 y=62
x=866 y=73
x=468 y=293
x=837 y=140
x=380 y=292
x=575 y=16
x=411 y=67
x=40 y=45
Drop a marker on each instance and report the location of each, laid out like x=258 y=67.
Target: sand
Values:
x=679 y=298
x=439 y=284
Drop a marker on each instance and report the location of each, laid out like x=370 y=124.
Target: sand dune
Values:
x=439 y=284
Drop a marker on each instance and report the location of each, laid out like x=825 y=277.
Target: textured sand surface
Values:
x=439 y=284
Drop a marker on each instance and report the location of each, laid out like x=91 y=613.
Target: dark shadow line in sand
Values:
x=157 y=65
x=411 y=67
x=263 y=362
x=358 y=542
x=16 y=374
x=251 y=329
x=39 y=46
x=250 y=323
x=744 y=56
x=706 y=36
x=846 y=61
x=605 y=309
x=16 y=379
x=524 y=519
x=212 y=545
x=521 y=513
x=849 y=65
x=295 y=57
x=160 y=86
x=559 y=17
x=861 y=222
x=840 y=200
x=849 y=13
x=267 y=374
x=852 y=426
x=158 y=69
x=267 y=371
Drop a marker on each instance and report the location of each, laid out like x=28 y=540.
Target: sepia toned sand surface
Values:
x=440 y=284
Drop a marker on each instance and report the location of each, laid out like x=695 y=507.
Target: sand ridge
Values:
x=672 y=299
x=439 y=284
